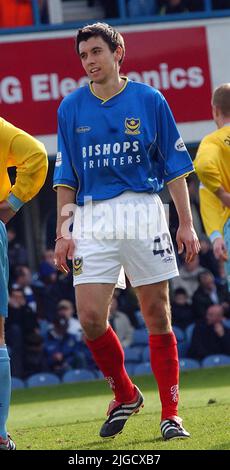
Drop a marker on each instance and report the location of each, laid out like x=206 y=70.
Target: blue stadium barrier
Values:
x=188 y=364
x=133 y=354
x=42 y=380
x=143 y=369
x=16 y=383
x=216 y=360
x=140 y=337
x=78 y=375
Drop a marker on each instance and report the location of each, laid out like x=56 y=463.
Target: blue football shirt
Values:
x=128 y=142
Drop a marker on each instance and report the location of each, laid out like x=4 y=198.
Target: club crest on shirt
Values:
x=132 y=126
x=77 y=265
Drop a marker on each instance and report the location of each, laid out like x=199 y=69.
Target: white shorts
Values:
x=130 y=231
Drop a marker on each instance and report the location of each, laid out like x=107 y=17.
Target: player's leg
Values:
x=5 y=378
x=155 y=306
x=149 y=262
x=93 y=307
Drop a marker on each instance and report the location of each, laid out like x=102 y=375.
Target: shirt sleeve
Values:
x=64 y=174
x=171 y=148
x=212 y=214
x=29 y=157
x=206 y=167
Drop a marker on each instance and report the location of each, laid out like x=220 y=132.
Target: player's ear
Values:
x=118 y=53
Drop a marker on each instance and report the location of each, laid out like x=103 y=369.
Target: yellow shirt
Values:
x=19 y=149
x=212 y=165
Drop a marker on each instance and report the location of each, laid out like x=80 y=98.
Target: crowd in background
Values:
x=15 y=13
x=43 y=332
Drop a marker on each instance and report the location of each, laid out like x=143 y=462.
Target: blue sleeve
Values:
x=171 y=148
x=64 y=174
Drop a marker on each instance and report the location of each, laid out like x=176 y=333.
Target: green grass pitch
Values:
x=69 y=417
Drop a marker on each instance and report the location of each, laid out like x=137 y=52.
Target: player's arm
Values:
x=66 y=183
x=65 y=247
x=186 y=235
x=29 y=157
x=212 y=212
x=213 y=197
x=224 y=196
x=177 y=165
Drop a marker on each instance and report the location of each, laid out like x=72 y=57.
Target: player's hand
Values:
x=219 y=249
x=187 y=239
x=64 y=249
x=6 y=213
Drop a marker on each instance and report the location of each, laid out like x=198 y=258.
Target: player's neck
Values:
x=109 y=88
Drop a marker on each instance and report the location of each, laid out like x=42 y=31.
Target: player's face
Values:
x=98 y=61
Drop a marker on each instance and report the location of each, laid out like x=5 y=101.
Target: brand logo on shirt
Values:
x=179 y=145
x=77 y=265
x=58 y=159
x=132 y=126
x=82 y=129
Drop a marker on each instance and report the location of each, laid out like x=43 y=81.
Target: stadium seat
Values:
x=216 y=360
x=16 y=383
x=99 y=374
x=146 y=354
x=179 y=333
x=143 y=369
x=140 y=337
x=187 y=364
x=130 y=366
x=78 y=375
x=133 y=354
x=42 y=380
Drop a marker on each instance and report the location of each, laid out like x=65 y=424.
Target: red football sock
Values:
x=109 y=357
x=165 y=366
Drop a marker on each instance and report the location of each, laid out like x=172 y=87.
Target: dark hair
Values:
x=180 y=291
x=221 y=99
x=112 y=37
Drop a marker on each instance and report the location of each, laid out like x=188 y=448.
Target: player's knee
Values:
x=92 y=322
x=158 y=316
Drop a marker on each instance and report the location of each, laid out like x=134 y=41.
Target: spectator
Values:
x=47 y=270
x=16 y=252
x=60 y=347
x=210 y=336
x=110 y=8
x=23 y=280
x=174 y=6
x=207 y=258
x=20 y=324
x=207 y=294
x=188 y=277
x=182 y=314
x=65 y=309
x=120 y=324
